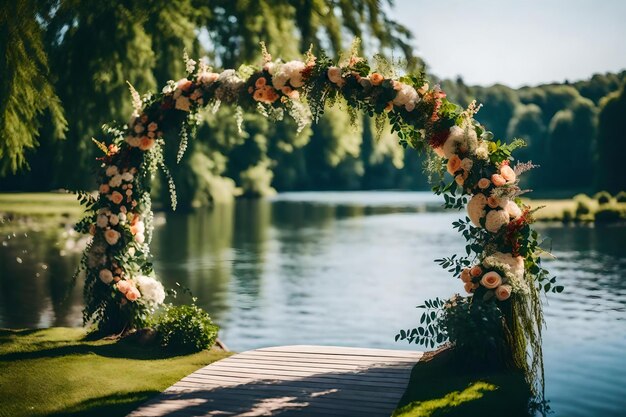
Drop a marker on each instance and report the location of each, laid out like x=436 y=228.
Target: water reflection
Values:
x=342 y=269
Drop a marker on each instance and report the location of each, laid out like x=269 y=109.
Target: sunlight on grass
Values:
x=57 y=372
x=427 y=408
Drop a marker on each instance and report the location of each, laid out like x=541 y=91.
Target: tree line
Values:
x=67 y=63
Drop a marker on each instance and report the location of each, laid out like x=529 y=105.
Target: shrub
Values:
x=568 y=216
x=621 y=197
x=609 y=215
x=603 y=197
x=186 y=328
x=583 y=207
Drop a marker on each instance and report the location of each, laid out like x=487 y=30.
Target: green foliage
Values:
x=186 y=328
x=26 y=92
x=603 y=197
x=611 y=144
x=610 y=215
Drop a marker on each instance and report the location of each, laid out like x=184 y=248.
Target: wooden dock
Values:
x=306 y=381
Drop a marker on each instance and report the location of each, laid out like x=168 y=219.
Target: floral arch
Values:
x=501 y=269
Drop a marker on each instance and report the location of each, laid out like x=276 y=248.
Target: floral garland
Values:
x=502 y=267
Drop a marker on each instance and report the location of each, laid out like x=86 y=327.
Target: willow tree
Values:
x=26 y=91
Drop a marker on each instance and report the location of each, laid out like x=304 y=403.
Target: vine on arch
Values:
x=501 y=269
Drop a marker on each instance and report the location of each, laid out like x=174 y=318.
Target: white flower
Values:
x=406 y=96
x=106 y=276
x=151 y=289
x=140 y=238
x=102 y=221
x=495 y=220
x=455 y=139
x=482 y=151
x=115 y=181
x=476 y=208
x=334 y=75
x=122 y=218
x=111 y=170
x=513 y=209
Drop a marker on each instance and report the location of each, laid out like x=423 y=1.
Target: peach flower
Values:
x=484 y=183
x=376 y=78
x=498 y=180
x=460 y=180
x=106 y=276
x=334 y=75
x=133 y=294
x=491 y=280
x=493 y=202
x=139 y=128
x=466 y=276
x=104 y=188
x=469 y=287
x=123 y=286
x=183 y=84
x=454 y=164
x=111 y=170
x=389 y=107
x=152 y=127
x=439 y=151
x=92 y=229
x=503 y=292
x=116 y=197
x=507 y=173
x=146 y=143
x=260 y=82
x=133 y=141
x=513 y=209
x=476 y=271
x=182 y=103
x=206 y=77
x=112 y=236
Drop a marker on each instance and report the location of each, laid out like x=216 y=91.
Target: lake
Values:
x=342 y=269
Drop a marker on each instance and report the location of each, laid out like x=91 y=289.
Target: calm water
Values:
x=342 y=269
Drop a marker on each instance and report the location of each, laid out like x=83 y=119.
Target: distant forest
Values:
x=67 y=64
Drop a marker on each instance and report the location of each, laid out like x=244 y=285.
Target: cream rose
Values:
x=132 y=141
x=491 y=280
x=115 y=181
x=334 y=75
x=114 y=219
x=102 y=221
x=503 y=292
x=513 y=209
x=467 y=164
x=476 y=208
x=111 y=170
x=495 y=220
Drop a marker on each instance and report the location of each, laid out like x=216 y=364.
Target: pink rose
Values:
x=112 y=236
x=484 y=183
x=133 y=294
x=507 y=173
x=503 y=292
x=116 y=197
x=498 y=180
x=123 y=286
x=491 y=280
x=476 y=271
x=454 y=164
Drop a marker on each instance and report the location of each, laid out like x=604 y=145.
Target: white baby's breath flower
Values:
x=495 y=220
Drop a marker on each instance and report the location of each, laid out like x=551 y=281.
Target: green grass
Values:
x=39 y=204
x=57 y=372
x=555 y=210
x=438 y=387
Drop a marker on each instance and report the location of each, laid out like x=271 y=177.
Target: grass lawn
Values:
x=57 y=372
x=439 y=388
x=39 y=204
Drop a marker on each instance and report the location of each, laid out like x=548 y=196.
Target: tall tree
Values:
x=612 y=142
x=26 y=88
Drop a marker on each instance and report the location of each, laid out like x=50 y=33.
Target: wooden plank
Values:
x=303 y=381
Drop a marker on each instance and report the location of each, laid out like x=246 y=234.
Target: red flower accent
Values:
x=438 y=138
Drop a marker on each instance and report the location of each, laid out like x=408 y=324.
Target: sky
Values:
x=521 y=42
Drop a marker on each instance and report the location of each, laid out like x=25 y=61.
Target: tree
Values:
x=612 y=142
x=26 y=92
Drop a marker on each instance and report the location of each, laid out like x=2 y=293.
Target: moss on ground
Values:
x=58 y=372
x=438 y=387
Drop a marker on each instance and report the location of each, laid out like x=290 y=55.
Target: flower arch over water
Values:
x=500 y=271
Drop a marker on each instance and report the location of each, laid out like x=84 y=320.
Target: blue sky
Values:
x=517 y=42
